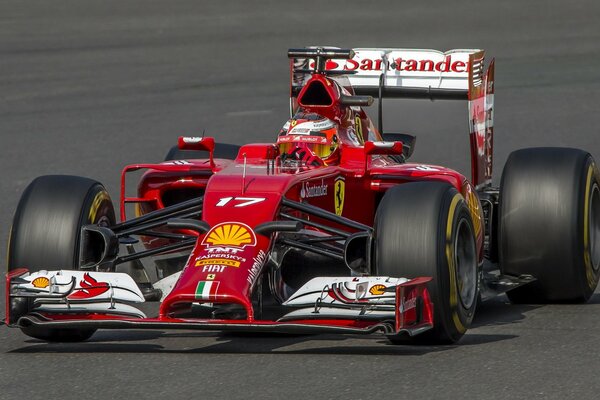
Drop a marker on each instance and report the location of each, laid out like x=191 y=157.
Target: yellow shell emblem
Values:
x=230 y=234
x=41 y=282
x=377 y=290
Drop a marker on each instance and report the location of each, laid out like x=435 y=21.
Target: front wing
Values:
x=391 y=306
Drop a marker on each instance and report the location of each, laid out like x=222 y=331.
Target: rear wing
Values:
x=412 y=74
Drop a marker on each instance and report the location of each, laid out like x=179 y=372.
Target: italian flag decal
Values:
x=206 y=290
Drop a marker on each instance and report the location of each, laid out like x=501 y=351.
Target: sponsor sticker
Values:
x=192 y=139
x=323 y=125
x=230 y=234
x=41 y=282
x=179 y=162
x=207 y=290
x=310 y=189
x=219 y=258
x=302 y=139
x=226 y=251
x=90 y=287
x=299 y=131
x=426 y=168
x=407 y=304
x=447 y=64
x=227 y=256
x=377 y=290
x=218 y=261
x=358 y=128
x=473 y=205
x=339 y=194
x=213 y=268
x=259 y=260
x=329 y=64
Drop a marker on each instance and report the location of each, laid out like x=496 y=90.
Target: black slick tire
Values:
x=46 y=231
x=549 y=220
x=425 y=229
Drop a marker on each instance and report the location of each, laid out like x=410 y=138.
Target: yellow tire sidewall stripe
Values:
x=98 y=199
x=451 y=265
x=589 y=269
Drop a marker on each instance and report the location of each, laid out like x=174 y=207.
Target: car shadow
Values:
x=494 y=312
x=250 y=343
x=500 y=311
x=497 y=311
x=595 y=299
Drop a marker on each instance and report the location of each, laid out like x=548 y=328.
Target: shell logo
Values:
x=41 y=282
x=473 y=206
x=233 y=234
x=377 y=290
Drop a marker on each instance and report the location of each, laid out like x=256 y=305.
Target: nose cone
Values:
x=223 y=269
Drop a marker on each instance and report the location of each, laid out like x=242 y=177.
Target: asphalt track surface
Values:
x=87 y=87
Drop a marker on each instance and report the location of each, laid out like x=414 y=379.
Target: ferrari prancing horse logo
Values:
x=339 y=194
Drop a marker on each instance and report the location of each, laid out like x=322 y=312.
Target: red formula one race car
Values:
x=328 y=230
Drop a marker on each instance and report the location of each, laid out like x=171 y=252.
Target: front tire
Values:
x=550 y=224
x=425 y=229
x=46 y=231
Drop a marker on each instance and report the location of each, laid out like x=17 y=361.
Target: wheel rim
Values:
x=594 y=227
x=465 y=259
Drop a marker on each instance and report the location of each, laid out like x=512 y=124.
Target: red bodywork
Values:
x=241 y=194
x=365 y=179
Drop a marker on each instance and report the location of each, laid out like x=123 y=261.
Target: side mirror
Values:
x=389 y=148
x=408 y=142
x=196 y=143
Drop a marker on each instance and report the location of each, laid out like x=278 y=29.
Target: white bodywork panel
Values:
x=79 y=286
x=167 y=284
x=418 y=68
x=84 y=308
x=346 y=290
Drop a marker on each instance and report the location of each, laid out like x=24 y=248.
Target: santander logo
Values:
x=313 y=190
x=329 y=64
x=400 y=64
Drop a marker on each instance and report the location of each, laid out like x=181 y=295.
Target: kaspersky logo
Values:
x=230 y=234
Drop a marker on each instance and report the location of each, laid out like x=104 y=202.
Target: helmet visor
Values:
x=321 y=146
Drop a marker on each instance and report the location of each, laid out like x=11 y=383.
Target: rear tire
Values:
x=46 y=231
x=425 y=229
x=550 y=224
x=222 y=150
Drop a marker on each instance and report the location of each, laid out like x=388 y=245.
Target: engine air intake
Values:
x=315 y=94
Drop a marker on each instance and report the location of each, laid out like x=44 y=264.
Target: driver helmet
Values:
x=311 y=138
